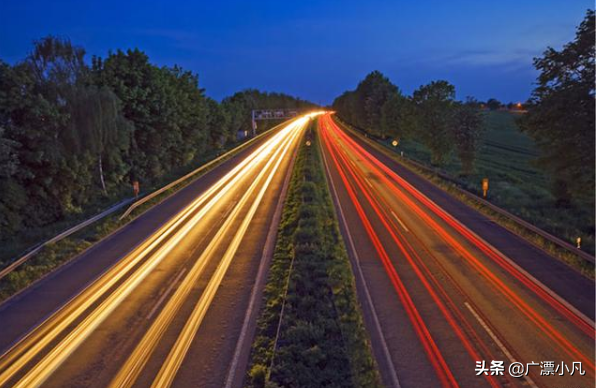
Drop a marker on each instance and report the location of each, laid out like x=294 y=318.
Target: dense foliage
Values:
x=431 y=115
x=435 y=114
x=73 y=133
x=467 y=134
x=561 y=117
x=364 y=106
x=310 y=332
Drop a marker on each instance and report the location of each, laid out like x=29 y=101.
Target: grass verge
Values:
x=508 y=158
x=451 y=187
x=310 y=331
x=52 y=256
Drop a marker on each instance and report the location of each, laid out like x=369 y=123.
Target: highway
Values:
x=163 y=301
x=438 y=297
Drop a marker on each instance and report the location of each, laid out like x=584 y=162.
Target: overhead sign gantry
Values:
x=271 y=114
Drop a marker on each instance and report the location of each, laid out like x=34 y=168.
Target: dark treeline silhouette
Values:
x=431 y=114
x=72 y=134
x=560 y=116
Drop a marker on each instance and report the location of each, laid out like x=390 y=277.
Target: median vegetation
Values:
x=310 y=331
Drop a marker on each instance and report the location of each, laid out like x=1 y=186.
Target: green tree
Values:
x=398 y=117
x=165 y=105
x=70 y=133
x=34 y=109
x=493 y=104
x=96 y=126
x=435 y=107
x=363 y=106
x=12 y=199
x=237 y=108
x=218 y=122
x=50 y=111
x=9 y=160
x=374 y=91
x=561 y=115
x=468 y=125
x=346 y=106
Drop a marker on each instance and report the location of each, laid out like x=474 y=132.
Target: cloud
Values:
x=492 y=58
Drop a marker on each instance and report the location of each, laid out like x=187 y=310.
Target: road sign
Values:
x=485 y=186
x=274 y=114
x=271 y=114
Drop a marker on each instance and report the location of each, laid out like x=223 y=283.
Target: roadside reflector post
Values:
x=578 y=241
x=136 y=188
x=485 y=186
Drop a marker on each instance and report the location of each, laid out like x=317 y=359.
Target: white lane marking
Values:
x=261 y=274
x=548 y=290
x=366 y=180
x=179 y=351
x=497 y=341
x=361 y=275
x=154 y=309
x=161 y=300
x=399 y=221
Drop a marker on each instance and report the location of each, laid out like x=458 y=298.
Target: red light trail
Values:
x=339 y=145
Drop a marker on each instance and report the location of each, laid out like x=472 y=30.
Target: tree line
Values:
x=559 y=116
x=431 y=114
x=73 y=132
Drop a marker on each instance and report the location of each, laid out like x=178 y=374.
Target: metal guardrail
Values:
x=154 y=194
x=5 y=271
x=15 y=264
x=525 y=224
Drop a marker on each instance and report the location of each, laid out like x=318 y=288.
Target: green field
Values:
x=506 y=157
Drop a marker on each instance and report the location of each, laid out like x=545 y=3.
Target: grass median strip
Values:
x=310 y=331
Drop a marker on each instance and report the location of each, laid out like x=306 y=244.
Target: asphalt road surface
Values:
x=449 y=289
x=161 y=302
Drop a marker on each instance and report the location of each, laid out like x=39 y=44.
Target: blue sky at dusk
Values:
x=313 y=49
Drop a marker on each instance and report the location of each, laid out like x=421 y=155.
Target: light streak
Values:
x=433 y=353
x=135 y=363
x=385 y=221
x=137 y=265
x=382 y=172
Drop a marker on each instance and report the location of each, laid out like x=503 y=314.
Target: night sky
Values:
x=313 y=49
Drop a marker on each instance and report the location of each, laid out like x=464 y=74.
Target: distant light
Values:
x=308 y=143
x=395 y=143
x=313 y=114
